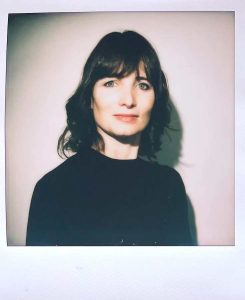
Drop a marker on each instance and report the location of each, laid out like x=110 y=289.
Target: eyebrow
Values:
x=138 y=78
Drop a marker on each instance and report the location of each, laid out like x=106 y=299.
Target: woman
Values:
x=105 y=194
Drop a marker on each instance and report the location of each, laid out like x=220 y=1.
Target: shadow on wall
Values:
x=170 y=154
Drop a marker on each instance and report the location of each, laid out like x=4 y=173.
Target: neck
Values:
x=119 y=148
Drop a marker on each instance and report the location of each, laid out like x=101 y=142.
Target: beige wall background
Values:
x=46 y=54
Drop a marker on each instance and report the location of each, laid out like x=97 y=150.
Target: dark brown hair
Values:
x=116 y=55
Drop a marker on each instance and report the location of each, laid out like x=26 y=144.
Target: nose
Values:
x=127 y=98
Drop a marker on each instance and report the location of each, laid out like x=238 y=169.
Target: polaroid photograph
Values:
x=120 y=134
x=122 y=150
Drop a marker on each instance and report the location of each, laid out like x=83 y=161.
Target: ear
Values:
x=92 y=103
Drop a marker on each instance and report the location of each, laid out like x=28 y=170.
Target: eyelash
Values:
x=108 y=83
x=143 y=86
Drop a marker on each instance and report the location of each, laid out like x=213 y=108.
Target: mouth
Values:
x=129 y=118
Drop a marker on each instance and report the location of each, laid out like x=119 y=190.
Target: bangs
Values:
x=119 y=67
x=120 y=54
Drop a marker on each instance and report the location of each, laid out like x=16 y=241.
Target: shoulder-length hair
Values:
x=116 y=55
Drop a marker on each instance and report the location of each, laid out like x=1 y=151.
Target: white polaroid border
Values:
x=127 y=272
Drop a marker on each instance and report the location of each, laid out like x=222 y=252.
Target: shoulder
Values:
x=162 y=171
x=163 y=178
x=60 y=174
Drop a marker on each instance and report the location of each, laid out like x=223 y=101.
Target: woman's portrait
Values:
x=124 y=130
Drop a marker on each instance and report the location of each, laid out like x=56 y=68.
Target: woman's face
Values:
x=122 y=107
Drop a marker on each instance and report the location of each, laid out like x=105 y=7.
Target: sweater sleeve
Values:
x=42 y=222
x=178 y=220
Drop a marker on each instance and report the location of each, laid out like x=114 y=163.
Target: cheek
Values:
x=103 y=101
x=147 y=109
x=102 y=109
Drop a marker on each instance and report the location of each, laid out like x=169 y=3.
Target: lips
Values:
x=126 y=117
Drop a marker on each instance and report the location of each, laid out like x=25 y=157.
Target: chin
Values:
x=125 y=134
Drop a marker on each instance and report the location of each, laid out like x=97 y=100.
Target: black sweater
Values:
x=91 y=199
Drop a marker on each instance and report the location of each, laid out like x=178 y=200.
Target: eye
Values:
x=110 y=83
x=144 y=86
